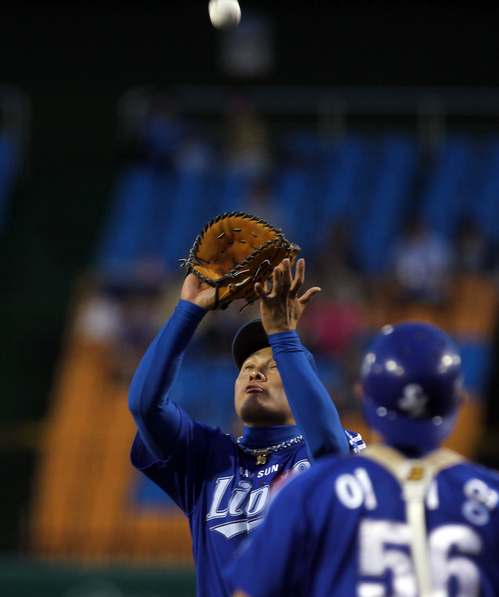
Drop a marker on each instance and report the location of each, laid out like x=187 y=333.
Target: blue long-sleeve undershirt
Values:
x=158 y=419
x=312 y=407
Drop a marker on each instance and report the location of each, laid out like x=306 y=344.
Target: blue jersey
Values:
x=221 y=488
x=341 y=530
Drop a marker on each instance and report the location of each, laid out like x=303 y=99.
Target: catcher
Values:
x=223 y=484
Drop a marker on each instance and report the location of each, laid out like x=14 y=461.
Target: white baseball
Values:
x=224 y=14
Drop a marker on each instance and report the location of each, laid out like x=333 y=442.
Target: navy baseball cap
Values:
x=252 y=337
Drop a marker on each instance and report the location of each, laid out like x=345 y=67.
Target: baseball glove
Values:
x=234 y=251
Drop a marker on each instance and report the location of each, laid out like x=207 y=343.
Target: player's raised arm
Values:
x=312 y=407
x=407 y=516
x=157 y=418
x=221 y=483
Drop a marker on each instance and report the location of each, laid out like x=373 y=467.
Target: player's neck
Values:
x=268 y=436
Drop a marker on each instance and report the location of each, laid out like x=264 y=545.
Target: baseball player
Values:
x=223 y=484
x=404 y=519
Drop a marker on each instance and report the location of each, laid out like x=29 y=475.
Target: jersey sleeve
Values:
x=313 y=409
x=158 y=419
x=181 y=475
x=272 y=562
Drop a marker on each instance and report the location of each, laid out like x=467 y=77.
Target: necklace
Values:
x=262 y=453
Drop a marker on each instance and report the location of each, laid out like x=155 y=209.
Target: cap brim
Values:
x=249 y=338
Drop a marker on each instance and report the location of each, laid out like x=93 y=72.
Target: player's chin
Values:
x=256 y=412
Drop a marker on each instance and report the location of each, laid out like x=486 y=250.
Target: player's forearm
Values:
x=157 y=419
x=312 y=407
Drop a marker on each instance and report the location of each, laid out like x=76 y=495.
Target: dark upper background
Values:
x=75 y=60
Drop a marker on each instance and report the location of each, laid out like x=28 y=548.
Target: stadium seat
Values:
x=445 y=195
x=137 y=220
x=485 y=207
x=388 y=204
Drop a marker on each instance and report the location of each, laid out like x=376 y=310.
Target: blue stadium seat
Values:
x=346 y=169
x=343 y=174
x=388 y=204
x=485 y=207
x=444 y=200
x=193 y=206
x=300 y=187
x=476 y=360
x=234 y=187
x=139 y=212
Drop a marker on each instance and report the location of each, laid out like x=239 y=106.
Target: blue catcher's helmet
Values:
x=411 y=378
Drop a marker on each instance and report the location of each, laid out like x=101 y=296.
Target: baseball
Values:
x=224 y=14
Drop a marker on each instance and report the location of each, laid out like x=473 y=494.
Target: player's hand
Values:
x=282 y=308
x=198 y=292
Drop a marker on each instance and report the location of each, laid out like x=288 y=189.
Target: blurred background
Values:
x=368 y=131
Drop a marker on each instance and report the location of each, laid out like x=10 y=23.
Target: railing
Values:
x=428 y=111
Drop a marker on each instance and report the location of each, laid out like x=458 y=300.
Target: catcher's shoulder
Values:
x=327 y=468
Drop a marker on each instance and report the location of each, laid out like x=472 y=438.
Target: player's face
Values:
x=259 y=396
